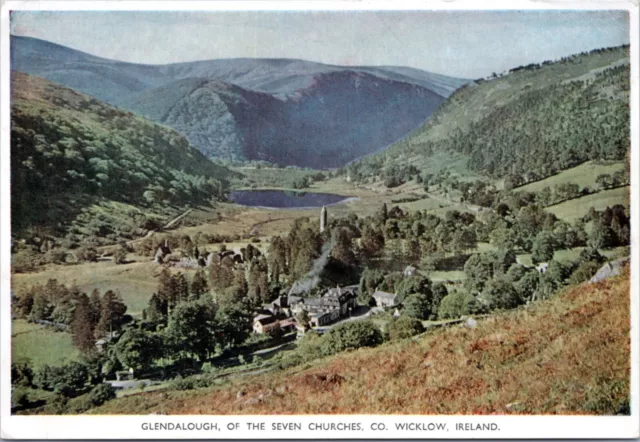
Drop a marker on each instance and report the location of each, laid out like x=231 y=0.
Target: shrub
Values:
x=101 y=394
x=67 y=380
x=192 y=383
x=19 y=398
x=458 y=303
x=608 y=397
x=404 y=327
x=88 y=254
x=417 y=306
x=21 y=374
x=351 y=335
x=584 y=272
x=25 y=261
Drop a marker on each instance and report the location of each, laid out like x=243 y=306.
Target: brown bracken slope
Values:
x=566 y=355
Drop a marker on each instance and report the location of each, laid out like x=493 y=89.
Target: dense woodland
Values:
x=70 y=151
x=584 y=118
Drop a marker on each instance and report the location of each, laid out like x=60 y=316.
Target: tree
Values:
x=82 y=326
x=404 y=327
x=382 y=214
x=303 y=319
x=499 y=293
x=156 y=310
x=601 y=235
x=458 y=303
x=351 y=335
x=544 y=245
x=464 y=240
x=413 y=284
x=67 y=380
x=277 y=258
x=527 y=286
x=191 y=329
x=88 y=254
x=21 y=374
x=24 y=304
x=181 y=287
x=604 y=181
x=258 y=281
x=233 y=325
x=137 y=349
x=41 y=307
x=342 y=250
x=479 y=268
x=95 y=305
x=369 y=282
x=120 y=255
x=417 y=305
x=111 y=314
x=438 y=293
x=371 y=242
x=198 y=285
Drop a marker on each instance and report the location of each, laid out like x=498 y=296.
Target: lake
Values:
x=284 y=199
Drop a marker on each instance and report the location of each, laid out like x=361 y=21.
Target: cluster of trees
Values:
x=611 y=180
x=349 y=335
x=79 y=380
x=583 y=120
x=66 y=155
x=609 y=228
x=90 y=317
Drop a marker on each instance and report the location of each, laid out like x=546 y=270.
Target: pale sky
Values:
x=467 y=44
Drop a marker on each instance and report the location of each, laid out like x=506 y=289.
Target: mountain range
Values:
x=285 y=111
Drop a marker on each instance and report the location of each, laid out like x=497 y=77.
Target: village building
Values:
x=385 y=299
x=334 y=304
x=264 y=324
x=542 y=267
x=409 y=271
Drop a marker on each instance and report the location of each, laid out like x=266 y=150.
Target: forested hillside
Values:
x=528 y=124
x=70 y=151
x=284 y=111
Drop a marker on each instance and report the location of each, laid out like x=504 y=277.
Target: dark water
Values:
x=284 y=199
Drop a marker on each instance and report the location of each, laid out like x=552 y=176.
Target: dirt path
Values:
x=150 y=233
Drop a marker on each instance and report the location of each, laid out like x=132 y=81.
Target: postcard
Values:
x=319 y=220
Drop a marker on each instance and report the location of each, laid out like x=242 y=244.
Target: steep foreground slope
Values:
x=532 y=122
x=291 y=112
x=69 y=150
x=566 y=355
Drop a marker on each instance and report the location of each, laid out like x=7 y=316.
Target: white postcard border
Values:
x=133 y=427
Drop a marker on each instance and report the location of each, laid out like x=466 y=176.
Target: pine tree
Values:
x=157 y=310
x=81 y=327
x=198 y=285
x=111 y=314
x=277 y=258
x=41 y=308
x=181 y=287
x=95 y=305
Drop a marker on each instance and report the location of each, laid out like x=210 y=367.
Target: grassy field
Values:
x=136 y=281
x=567 y=355
x=583 y=175
x=40 y=344
x=570 y=255
x=574 y=209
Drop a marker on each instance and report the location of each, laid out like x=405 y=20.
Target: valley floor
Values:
x=567 y=355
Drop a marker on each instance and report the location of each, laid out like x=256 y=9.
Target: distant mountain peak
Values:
x=288 y=111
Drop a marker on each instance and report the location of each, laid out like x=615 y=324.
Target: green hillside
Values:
x=528 y=124
x=77 y=163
